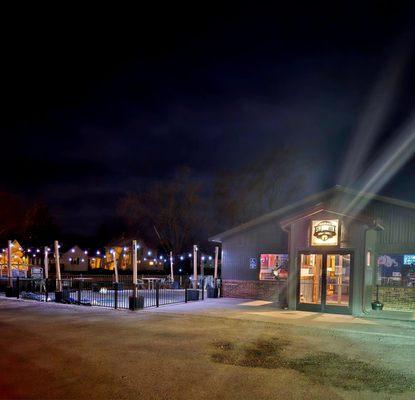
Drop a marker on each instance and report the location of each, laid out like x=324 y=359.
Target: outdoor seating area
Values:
x=95 y=291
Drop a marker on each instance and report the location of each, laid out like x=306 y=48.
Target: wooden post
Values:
x=58 y=268
x=171 y=266
x=195 y=266
x=215 y=274
x=46 y=263
x=115 y=266
x=9 y=264
x=134 y=251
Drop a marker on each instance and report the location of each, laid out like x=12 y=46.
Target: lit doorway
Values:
x=324 y=282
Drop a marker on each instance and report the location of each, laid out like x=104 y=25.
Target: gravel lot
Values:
x=218 y=349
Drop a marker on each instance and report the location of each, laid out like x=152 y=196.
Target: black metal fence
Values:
x=89 y=291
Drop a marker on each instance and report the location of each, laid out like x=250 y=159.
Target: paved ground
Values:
x=194 y=350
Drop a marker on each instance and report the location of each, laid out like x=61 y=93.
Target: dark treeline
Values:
x=29 y=222
x=175 y=212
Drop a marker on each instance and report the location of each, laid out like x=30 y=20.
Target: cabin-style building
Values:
x=75 y=260
x=329 y=252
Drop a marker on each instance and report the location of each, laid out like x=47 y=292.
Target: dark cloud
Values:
x=98 y=107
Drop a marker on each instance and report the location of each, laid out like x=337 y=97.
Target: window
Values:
x=272 y=266
x=396 y=269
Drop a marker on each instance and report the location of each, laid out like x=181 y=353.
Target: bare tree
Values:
x=11 y=215
x=171 y=212
x=38 y=225
x=273 y=180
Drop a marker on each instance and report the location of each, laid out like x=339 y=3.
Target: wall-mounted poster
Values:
x=271 y=263
x=389 y=263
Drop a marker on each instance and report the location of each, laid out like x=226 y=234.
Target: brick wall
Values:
x=275 y=291
x=396 y=298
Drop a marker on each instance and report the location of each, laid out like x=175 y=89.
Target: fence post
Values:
x=157 y=294
x=17 y=287
x=46 y=289
x=203 y=288
x=115 y=295
x=79 y=291
x=185 y=291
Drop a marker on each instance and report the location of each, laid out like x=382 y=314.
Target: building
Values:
x=20 y=262
x=339 y=246
x=120 y=249
x=74 y=260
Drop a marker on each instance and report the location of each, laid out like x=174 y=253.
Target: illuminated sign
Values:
x=408 y=259
x=324 y=232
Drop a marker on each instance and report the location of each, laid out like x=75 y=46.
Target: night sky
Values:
x=98 y=105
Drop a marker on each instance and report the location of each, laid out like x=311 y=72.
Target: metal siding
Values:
x=238 y=249
x=398 y=236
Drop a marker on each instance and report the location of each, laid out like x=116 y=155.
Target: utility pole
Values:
x=58 y=268
x=134 y=251
x=171 y=266
x=9 y=264
x=46 y=262
x=195 y=266
x=215 y=274
x=114 y=258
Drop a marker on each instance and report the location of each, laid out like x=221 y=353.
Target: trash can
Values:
x=192 y=294
x=212 y=293
x=136 y=303
x=11 y=292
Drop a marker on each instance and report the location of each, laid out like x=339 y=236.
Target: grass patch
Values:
x=323 y=368
x=350 y=374
x=261 y=354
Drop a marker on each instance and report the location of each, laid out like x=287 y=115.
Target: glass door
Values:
x=324 y=282
x=311 y=268
x=338 y=280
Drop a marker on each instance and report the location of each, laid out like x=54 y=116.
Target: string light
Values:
x=158 y=260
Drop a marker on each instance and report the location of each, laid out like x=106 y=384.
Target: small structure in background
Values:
x=75 y=260
x=19 y=261
x=121 y=249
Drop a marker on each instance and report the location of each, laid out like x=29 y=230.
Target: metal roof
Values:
x=314 y=197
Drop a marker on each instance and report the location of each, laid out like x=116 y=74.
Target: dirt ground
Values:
x=214 y=350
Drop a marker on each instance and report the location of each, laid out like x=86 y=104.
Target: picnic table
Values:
x=151 y=282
